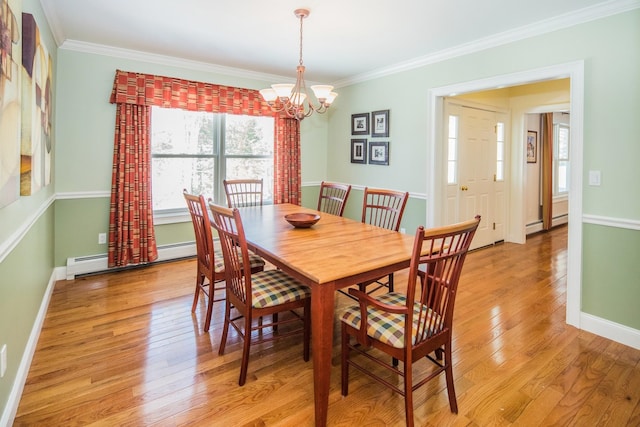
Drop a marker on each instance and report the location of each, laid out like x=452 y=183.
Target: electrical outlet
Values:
x=403 y=231
x=102 y=238
x=3 y=360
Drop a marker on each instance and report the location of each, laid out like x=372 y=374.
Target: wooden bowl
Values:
x=302 y=220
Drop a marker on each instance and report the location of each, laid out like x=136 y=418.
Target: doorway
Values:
x=515 y=223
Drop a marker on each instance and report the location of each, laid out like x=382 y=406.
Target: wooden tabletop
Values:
x=335 y=249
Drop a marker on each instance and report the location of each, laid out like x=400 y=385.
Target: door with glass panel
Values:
x=475 y=170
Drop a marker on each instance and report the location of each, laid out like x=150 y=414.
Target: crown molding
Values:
x=559 y=22
x=98 y=49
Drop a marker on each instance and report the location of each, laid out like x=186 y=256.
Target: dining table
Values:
x=334 y=253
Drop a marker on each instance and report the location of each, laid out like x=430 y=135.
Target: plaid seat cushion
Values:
x=274 y=287
x=383 y=326
x=254 y=259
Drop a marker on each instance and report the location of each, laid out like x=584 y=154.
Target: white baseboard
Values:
x=611 y=330
x=9 y=412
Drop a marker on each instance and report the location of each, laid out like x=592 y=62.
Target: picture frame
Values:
x=379 y=153
x=380 y=123
x=531 y=146
x=359 y=151
x=360 y=124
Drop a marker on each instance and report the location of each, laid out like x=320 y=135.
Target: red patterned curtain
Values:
x=131 y=235
x=131 y=207
x=286 y=171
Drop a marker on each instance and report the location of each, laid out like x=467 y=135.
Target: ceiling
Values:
x=343 y=39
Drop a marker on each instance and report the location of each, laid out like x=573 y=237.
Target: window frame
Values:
x=219 y=157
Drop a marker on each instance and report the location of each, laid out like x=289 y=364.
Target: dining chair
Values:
x=243 y=192
x=210 y=263
x=255 y=295
x=382 y=208
x=333 y=197
x=410 y=326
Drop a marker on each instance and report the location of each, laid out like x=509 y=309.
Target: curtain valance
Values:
x=170 y=92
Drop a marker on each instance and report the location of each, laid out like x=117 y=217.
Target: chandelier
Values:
x=293 y=99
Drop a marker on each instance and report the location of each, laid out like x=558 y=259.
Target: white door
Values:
x=475 y=170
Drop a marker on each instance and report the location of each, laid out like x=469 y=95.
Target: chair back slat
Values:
x=433 y=297
x=243 y=192
x=333 y=197
x=384 y=208
x=202 y=230
x=235 y=251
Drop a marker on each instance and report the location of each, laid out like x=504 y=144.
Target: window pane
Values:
x=248 y=135
x=563 y=143
x=453 y=126
x=563 y=177
x=171 y=175
x=451 y=173
x=247 y=168
x=181 y=132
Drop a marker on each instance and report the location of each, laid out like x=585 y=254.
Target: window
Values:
x=560 y=159
x=198 y=150
x=452 y=151
x=499 y=152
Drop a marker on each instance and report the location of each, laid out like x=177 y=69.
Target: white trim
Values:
x=572 y=70
x=83 y=195
x=136 y=55
x=611 y=330
x=15 y=393
x=629 y=224
x=556 y=23
x=12 y=241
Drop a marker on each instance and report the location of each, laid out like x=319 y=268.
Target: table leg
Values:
x=322 y=310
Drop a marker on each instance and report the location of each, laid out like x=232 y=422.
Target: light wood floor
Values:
x=124 y=349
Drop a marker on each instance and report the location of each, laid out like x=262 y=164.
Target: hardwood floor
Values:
x=124 y=349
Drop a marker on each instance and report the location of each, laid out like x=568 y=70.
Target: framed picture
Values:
x=380 y=123
x=359 y=151
x=360 y=124
x=532 y=146
x=379 y=153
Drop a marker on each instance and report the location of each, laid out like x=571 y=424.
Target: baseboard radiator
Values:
x=98 y=263
x=555 y=221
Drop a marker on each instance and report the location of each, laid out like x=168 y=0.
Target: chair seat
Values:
x=387 y=327
x=254 y=259
x=275 y=287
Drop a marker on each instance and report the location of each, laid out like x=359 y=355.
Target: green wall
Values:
x=610 y=48
x=83 y=139
x=26 y=251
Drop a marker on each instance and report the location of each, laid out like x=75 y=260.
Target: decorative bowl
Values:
x=302 y=220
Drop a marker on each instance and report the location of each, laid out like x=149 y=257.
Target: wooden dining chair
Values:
x=210 y=266
x=333 y=197
x=255 y=295
x=382 y=208
x=410 y=326
x=243 y=192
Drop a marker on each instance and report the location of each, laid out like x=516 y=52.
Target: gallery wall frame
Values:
x=360 y=124
x=380 y=123
x=359 y=151
x=379 y=153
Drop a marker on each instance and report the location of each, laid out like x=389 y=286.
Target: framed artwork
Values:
x=360 y=124
x=532 y=146
x=380 y=123
x=379 y=153
x=359 y=151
